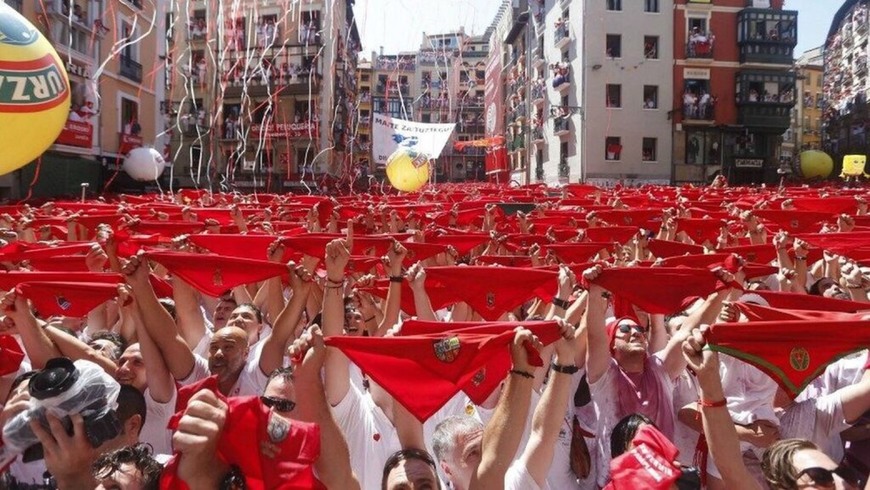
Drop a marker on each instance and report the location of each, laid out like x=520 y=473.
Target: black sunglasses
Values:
x=624 y=328
x=279 y=404
x=824 y=476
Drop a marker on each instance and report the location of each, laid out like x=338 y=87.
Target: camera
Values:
x=64 y=388
x=690 y=478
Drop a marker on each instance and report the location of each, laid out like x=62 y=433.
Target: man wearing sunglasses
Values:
x=624 y=378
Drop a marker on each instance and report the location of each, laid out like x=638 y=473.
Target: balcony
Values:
x=194 y=123
x=767 y=36
x=289 y=68
x=561 y=126
x=698 y=114
x=562 y=36
x=562 y=77
x=197 y=30
x=701 y=48
x=538 y=135
x=516 y=145
x=131 y=69
x=773 y=116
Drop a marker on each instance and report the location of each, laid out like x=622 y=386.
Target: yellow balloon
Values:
x=34 y=92
x=816 y=164
x=853 y=166
x=408 y=170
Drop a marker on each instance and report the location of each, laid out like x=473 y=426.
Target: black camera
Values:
x=690 y=478
x=64 y=388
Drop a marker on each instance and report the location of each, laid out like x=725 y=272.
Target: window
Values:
x=615 y=5
x=426 y=118
x=650 y=97
x=564 y=170
x=651 y=47
x=650 y=146
x=651 y=5
x=613 y=148
x=697 y=101
x=130 y=117
x=614 y=96
x=614 y=45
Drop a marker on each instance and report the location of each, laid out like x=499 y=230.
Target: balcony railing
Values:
x=765 y=115
x=561 y=34
x=699 y=48
x=131 y=69
x=780 y=53
x=699 y=112
x=561 y=125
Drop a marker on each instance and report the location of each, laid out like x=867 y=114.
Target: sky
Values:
x=398 y=25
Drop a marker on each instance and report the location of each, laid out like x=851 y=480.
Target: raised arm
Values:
x=550 y=412
x=272 y=356
x=333 y=468
x=598 y=355
x=158 y=322
x=718 y=426
x=417 y=280
x=503 y=433
x=37 y=344
x=188 y=314
x=336 y=374
x=395 y=256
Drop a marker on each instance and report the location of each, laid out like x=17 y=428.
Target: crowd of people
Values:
x=466 y=337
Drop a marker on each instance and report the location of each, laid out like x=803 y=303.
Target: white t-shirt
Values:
x=818 y=420
x=371 y=437
x=518 y=478
x=155 y=431
x=845 y=372
x=604 y=398
x=749 y=391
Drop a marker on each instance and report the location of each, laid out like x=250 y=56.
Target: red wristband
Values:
x=706 y=403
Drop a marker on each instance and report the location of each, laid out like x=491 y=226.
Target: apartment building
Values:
x=262 y=99
x=734 y=89
x=805 y=132
x=846 y=82
x=114 y=104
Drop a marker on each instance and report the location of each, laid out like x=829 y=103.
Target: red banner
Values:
x=496 y=161
x=129 y=142
x=284 y=130
x=76 y=133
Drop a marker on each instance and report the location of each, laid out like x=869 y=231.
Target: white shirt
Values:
x=818 y=420
x=518 y=478
x=252 y=381
x=155 y=431
x=371 y=437
x=749 y=391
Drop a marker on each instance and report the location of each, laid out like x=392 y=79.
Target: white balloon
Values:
x=144 y=164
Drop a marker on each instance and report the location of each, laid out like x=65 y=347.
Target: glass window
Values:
x=614 y=45
x=650 y=97
x=651 y=47
x=651 y=5
x=650 y=149
x=614 y=96
x=130 y=116
x=613 y=148
x=614 y=5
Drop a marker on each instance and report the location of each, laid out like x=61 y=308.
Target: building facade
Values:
x=114 y=103
x=734 y=89
x=846 y=85
x=585 y=87
x=805 y=132
x=264 y=99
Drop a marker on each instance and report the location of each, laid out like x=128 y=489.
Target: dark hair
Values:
x=624 y=432
x=168 y=305
x=251 y=306
x=115 y=338
x=405 y=455
x=285 y=373
x=776 y=463
x=815 y=289
x=139 y=456
x=131 y=402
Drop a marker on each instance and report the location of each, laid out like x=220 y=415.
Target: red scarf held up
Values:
x=443 y=363
x=216 y=274
x=794 y=301
x=658 y=289
x=793 y=352
x=269 y=455
x=75 y=299
x=758 y=313
x=667 y=248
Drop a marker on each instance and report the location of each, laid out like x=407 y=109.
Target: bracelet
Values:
x=369 y=319
x=337 y=286
x=561 y=303
x=800 y=258
x=564 y=369
x=708 y=404
x=524 y=374
x=341 y=281
x=397 y=278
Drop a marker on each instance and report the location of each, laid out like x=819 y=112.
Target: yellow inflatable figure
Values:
x=34 y=92
x=853 y=166
x=816 y=164
x=408 y=170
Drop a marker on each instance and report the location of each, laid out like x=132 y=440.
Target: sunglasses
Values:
x=825 y=477
x=278 y=404
x=628 y=328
